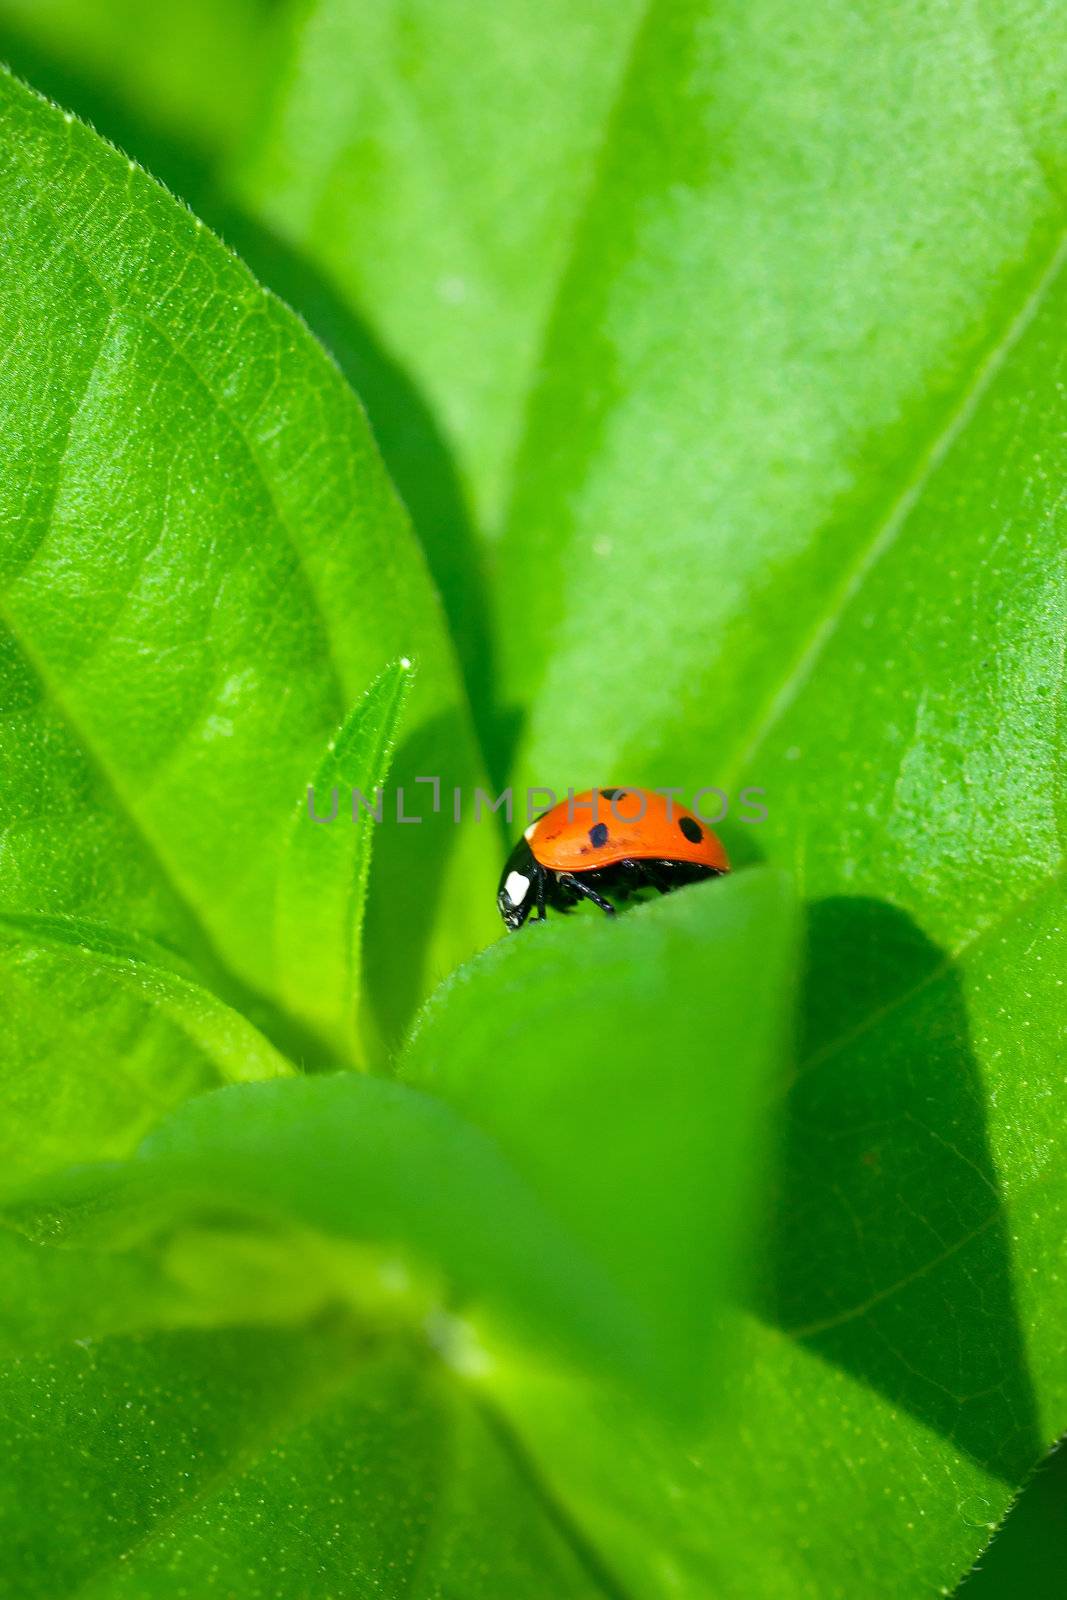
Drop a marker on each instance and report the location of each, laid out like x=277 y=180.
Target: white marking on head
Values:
x=529 y=833
x=515 y=887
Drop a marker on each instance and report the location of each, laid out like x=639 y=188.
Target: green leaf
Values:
x=50 y=1299
x=385 y=132
x=378 y=138
x=860 y=551
x=623 y=1068
x=808 y=1485
x=357 y=1159
x=1027 y=1555
x=594 y=1224
x=260 y=1463
x=559 y=1225
x=323 y=870
x=858 y=215
x=103 y=1034
x=786 y=514
x=205 y=569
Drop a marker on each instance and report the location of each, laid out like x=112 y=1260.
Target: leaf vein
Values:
x=296 y=1414
x=935 y=975
x=218 y=403
x=811 y=1330
x=885 y=532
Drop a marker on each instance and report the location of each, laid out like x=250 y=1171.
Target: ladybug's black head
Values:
x=518 y=886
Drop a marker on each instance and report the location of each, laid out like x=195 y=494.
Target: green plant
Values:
x=715 y=353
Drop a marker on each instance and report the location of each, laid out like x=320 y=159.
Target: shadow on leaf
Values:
x=413 y=447
x=890 y=1253
x=416 y=455
x=410 y=866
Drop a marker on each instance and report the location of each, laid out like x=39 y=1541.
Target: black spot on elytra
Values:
x=691 y=829
x=598 y=835
x=612 y=794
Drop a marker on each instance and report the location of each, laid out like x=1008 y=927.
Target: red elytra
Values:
x=603 y=826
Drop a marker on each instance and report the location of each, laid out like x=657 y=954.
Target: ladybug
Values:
x=606 y=842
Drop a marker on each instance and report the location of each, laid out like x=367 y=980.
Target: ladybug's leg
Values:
x=626 y=878
x=574 y=882
x=641 y=874
x=542 y=887
x=659 y=875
